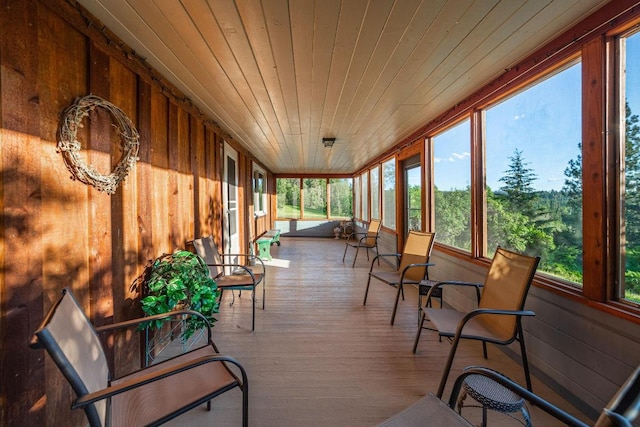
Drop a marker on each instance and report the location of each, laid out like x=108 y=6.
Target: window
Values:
x=630 y=170
x=534 y=174
x=315 y=197
x=375 y=192
x=389 y=194
x=340 y=196
x=259 y=191
x=356 y=195
x=288 y=198
x=452 y=186
x=365 y=197
x=323 y=198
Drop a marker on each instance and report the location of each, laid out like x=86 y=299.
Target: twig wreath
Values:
x=69 y=145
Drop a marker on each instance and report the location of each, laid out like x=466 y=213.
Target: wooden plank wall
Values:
x=56 y=232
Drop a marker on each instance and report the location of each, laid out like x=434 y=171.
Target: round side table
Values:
x=493 y=396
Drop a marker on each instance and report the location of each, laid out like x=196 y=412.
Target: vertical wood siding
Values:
x=57 y=232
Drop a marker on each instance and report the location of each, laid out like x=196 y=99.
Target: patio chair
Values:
x=230 y=275
x=150 y=396
x=368 y=240
x=500 y=309
x=411 y=264
x=621 y=410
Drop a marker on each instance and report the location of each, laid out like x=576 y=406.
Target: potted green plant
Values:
x=180 y=281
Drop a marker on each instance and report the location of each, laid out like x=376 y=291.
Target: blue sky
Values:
x=543 y=122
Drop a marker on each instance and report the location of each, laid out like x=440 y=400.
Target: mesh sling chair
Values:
x=412 y=266
x=500 y=309
x=621 y=410
x=368 y=240
x=150 y=396
x=243 y=277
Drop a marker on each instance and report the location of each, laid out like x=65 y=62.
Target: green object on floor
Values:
x=264 y=246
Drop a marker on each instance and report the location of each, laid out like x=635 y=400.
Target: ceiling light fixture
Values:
x=328 y=142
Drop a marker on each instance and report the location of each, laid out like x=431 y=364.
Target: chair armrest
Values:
x=248 y=256
x=480 y=311
x=536 y=400
x=137 y=321
x=436 y=285
x=397 y=256
x=157 y=375
x=240 y=266
x=416 y=265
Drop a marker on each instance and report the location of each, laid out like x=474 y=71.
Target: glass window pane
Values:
x=315 y=198
x=375 y=192
x=288 y=198
x=341 y=194
x=630 y=200
x=356 y=195
x=414 y=198
x=365 y=196
x=534 y=174
x=389 y=195
x=452 y=186
x=259 y=193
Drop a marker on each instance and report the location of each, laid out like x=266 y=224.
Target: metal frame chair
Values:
x=150 y=396
x=621 y=410
x=368 y=240
x=243 y=276
x=411 y=264
x=500 y=309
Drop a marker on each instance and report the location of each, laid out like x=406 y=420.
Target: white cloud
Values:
x=518 y=117
x=458 y=156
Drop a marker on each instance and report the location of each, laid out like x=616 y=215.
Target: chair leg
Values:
x=366 y=291
x=345 y=251
x=484 y=349
x=525 y=362
x=355 y=257
x=395 y=306
x=447 y=368
x=253 y=315
x=420 y=323
x=245 y=402
x=263 y=290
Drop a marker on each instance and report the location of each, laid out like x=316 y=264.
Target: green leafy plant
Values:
x=180 y=281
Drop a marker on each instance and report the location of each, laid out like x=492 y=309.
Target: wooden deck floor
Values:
x=318 y=357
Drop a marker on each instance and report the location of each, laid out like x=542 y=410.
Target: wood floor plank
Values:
x=318 y=357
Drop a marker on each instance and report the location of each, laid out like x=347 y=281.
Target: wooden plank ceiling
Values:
x=279 y=75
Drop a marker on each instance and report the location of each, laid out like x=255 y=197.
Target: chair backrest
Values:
x=208 y=251
x=505 y=288
x=372 y=232
x=416 y=250
x=73 y=344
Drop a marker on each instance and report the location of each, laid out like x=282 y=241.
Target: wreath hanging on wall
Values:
x=69 y=145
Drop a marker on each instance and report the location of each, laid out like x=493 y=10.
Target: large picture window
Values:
x=374 y=175
x=534 y=176
x=630 y=175
x=389 y=194
x=452 y=186
x=340 y=196
x=322 y=198
x=365 y=197
x=288 y=198
x=315 y=198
